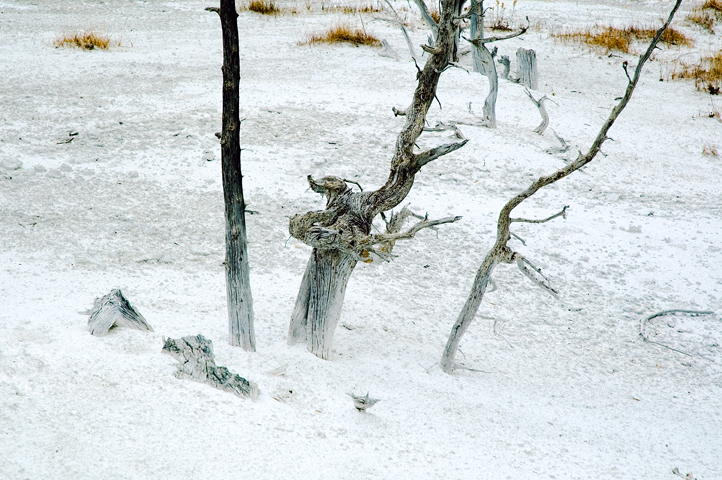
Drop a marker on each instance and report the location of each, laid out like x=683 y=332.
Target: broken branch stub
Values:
x=114 y=310
x=500 y=252
x=526 y=68
x=196 y=361
x=341 y=233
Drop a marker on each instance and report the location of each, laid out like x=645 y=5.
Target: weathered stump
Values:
x=196 y=361
x=526 y=68
x=114 y=310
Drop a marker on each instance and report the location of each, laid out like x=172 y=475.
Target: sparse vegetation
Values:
x=620 y=39
x=343 y=33
x=498 y=18
x=706 y=14
x=264 y=7
x=434 y=12
x=707 y=74
x=366 y=7
x=86 y=39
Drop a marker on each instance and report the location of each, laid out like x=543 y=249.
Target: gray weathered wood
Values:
x=542 y=111
x=114 y=310
x=500 y=252
x=196 y=361
x=526 y=68
x=238 y=285
x=341 y=233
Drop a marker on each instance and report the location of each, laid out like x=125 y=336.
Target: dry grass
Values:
x=499 y=18
x=706 y=14
x=620 y=39
x=264 y=7
x=343 y=33
x=365 y=7
x=707 y=74
x=434 y=12
x=86 y=39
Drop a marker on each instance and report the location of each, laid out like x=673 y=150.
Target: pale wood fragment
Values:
x=114 y=310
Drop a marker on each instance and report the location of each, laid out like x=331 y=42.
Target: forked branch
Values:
x=500 y=252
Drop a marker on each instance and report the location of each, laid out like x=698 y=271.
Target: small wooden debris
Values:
x=196 y=361
x=114 y=310
x=362 y=403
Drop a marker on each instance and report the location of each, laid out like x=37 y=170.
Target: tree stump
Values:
x=114 y=310
x=526 y=68
x=196 y=361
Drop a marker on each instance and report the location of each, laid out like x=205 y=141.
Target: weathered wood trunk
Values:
x=197 y=362
x=341 y=234
x=114 y=310
x=238 y=287
x=320 y=300
x=484 y=63
x=526 y=68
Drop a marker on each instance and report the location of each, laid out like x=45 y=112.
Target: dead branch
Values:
x=562 y=214
x=542 y=282
x=500 y=252
x=431 y=155
x=403 y=29
x=691 y=313
x=542 y=111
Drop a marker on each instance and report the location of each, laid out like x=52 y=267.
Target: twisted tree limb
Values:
x=500 y=252
x=341 y=233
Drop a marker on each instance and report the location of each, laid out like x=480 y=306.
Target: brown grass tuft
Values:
x=435 y=15
x=620 y=39
x=264 y=7
x=707 y=74
x=87 y=40
x=715 y=5
x=365 y=7
x=343 y=33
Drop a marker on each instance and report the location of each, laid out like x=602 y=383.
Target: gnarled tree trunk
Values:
x=341 y=234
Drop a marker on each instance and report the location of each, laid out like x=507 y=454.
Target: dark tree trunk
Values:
x=238 y=288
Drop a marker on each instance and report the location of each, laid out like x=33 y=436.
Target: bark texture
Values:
x=114 y=310
x=500 y=252
x=526 y=68
x=341 y=233
x=196 y=361
x=238 y=288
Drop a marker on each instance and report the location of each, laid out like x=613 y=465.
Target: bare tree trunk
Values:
x=500 y=252
x=238 y=287
x=484 y=59
x=341 y=234
x=526 y=68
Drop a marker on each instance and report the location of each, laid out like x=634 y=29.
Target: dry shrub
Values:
x=343 y=33
x=365 y=7
x=620 y=39
x=264 y=7
x=86 y=39
x=706 y=14
x=707 y=74
x=435 y=15
x=498 y=18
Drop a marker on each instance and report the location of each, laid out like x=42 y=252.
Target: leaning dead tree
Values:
x=238 y=286
x=341 y=233
x=500 y=252
x=484 y=59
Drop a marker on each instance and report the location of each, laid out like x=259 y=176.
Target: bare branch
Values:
x=355 y=183
x=213 y=9
x=562 y=214
x=542 y=111
x=481 y=41
x=432 y=50
x=431 y=155
x=410 y=233
x=403 y=29
x=427 y=16
x=543 y=282
x=441 y=127
x=398 y=112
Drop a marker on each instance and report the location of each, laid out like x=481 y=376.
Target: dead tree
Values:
x=341 y=234
x=197 y=362
x=484 y=59
x=500 y=252
x=114 y=310
x=238 y=286
x=526 y=69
